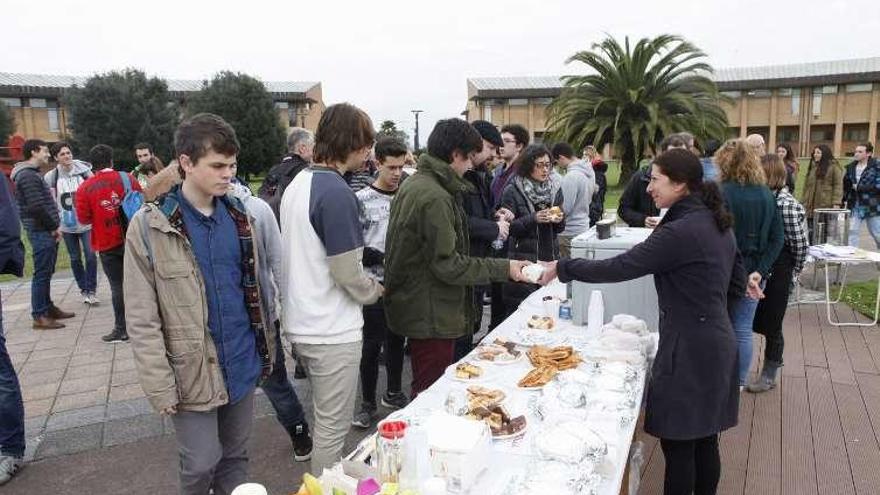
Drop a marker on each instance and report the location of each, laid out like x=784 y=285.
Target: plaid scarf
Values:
x=170 y=207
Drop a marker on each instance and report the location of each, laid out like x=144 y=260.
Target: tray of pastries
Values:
x=499 y=352
x=484 y=404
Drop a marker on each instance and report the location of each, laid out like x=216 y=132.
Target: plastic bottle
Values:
x=595 y=313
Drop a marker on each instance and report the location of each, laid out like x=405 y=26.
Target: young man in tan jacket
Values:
x=201 y=335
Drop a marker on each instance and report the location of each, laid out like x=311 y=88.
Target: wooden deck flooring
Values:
x=816 y=433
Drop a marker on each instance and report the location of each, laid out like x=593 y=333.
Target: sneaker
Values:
x=115 y=337
x=302 y=443
x=93 y=300
x=394 y=400
x=364 y=417
x=8 y=467
x=86 y=298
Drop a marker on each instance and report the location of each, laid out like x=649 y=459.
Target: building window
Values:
x=38 y=103
x=760 y=93
x=518 y=102
x=281 y=105
x=787 y=134
x=487 y=112
x=825 y=90
x=542 y=101
x=539 y=138
x=822 y=133
x=786 y=91
x=12 y=102
x=53 y=120
x=732 y=94
x=817 y=103
x=859 y=88
x=796 y=102
x=854 y=133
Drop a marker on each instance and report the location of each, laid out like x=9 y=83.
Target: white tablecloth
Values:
x=512 y=457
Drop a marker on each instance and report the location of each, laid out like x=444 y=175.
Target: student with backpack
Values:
x=300 y=144
x=107 y=201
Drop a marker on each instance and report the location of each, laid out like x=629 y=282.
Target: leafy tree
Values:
x=244 y=102
x=122 y=109
x=636 y=95
x=7 y=124
x=389 y=128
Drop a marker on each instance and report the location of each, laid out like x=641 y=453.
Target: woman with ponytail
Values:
x=693 y=393
x=757 y=224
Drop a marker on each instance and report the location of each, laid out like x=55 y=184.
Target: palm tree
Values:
x=634 y=97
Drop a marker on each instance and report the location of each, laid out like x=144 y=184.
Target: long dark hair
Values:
x=684 y=167
x=789 y=154
x=824 y=162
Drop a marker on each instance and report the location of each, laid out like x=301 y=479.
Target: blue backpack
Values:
x=132 y=200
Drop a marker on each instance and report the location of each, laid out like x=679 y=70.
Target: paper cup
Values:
x=250 y=489
x=551 y=308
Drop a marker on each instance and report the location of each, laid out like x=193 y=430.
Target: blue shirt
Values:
x=217 y=249
x=710 y=170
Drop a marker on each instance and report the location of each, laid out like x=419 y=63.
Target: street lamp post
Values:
x=416 y=140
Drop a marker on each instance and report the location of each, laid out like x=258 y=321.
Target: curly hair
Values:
x=738 y=162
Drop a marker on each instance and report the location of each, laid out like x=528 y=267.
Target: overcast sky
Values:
x=390 y=57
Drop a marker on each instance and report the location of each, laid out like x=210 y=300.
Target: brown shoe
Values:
x=56 y=313
x=46 y=323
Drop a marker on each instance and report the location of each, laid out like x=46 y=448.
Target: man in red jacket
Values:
x=98 y=202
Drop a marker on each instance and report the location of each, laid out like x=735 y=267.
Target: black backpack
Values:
x=277 y=180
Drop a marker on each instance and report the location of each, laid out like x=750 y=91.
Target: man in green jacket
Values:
x=429 y=275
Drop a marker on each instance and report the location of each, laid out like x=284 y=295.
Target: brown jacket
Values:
x=166 y=313
x=825 y=192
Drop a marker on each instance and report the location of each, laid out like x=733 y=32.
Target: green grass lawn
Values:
x=861 y=296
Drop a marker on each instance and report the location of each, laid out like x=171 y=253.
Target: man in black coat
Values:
x=484 y=224
x=300 y=145
x=39 y=215
x=636 y=205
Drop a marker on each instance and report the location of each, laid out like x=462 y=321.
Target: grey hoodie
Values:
x=578 y=186
x=269 y=271
x=63 y=186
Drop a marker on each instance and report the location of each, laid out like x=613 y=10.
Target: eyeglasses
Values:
x=543 y=165
x=509 y=141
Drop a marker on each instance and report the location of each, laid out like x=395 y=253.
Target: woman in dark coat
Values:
x=530 y=195
x=693 y=393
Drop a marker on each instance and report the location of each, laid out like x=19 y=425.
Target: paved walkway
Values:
x=79 y=392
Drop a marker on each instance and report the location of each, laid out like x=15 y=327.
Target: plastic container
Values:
x=389 y=450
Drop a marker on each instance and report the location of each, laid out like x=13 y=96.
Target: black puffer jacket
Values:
x=530 y=240
x=635 y=202
x=35 y=202
x=477 y=203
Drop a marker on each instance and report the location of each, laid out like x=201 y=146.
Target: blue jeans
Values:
x=45 y=254
x=742 y=318
x=11 y=406
x=280 y=391
x=79 y=245
x=855 y=227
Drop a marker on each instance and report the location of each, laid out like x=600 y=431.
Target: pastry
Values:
x=495 y=352
x=560 y=357
x=541 y=322
x=555 y=213
x=538 y=377
x=467 y=371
